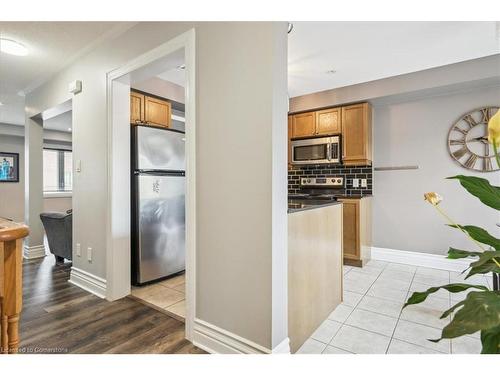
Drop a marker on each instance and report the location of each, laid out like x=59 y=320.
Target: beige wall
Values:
x=240 y=203
x=57 y=204
x=12 y=193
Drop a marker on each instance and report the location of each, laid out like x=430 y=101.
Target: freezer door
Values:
x=159 y=149
x=161 y=226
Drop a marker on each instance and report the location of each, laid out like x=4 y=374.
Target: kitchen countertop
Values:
x=297 y=205
x=355 y=196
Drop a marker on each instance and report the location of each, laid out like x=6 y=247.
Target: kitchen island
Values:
x=314 y=265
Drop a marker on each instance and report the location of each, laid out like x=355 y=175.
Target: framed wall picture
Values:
x=9 y=167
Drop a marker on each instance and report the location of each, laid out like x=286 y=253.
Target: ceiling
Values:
x=61 y=122
x=366 y=51
x=174 y=75
x=52 y=46
x=357 y=52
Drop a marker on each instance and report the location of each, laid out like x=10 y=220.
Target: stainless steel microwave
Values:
x=316 y=150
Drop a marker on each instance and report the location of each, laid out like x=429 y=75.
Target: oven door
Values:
x=312 y=151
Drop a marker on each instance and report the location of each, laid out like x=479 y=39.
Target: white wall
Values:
x=415 y=133
x=238 y=111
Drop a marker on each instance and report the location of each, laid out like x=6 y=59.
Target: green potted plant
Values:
x=480 y=310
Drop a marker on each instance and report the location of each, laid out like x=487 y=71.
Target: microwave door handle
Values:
x=329 y=151
x=335 y=151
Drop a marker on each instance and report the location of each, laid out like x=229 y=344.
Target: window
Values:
x=57 y=170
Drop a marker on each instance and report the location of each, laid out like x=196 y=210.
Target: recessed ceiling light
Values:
x=12 y=47
x=69 y=129
x=331 y=71
x=1 y=103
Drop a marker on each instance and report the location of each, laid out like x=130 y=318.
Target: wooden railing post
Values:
x=11 y=283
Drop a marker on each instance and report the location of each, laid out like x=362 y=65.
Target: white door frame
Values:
x=118 y=269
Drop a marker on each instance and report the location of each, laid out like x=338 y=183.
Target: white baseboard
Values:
x=216 y=340
x=91 y=283
x=420 y=259
x=283 y=347
x=34 y=252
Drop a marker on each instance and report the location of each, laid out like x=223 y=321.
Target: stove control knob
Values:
x=339 y=180
x=308 y=180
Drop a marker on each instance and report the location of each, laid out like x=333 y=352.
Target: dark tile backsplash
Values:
x=332 y=170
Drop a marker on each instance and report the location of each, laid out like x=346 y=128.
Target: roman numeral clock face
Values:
x=468 y=141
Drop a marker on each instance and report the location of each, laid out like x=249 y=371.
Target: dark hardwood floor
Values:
x=59 y=317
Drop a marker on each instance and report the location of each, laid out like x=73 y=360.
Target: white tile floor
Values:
x=370 y=320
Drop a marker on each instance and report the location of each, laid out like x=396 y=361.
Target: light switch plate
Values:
x=78 y=250
x=89 y=254
x=78 y=166
x=355 y=182
x=364 y=183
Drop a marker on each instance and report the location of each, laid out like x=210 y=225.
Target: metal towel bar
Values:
x=399 y=168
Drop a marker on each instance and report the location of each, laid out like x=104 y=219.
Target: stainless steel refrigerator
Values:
x=158 y=203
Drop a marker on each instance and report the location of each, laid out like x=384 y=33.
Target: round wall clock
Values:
x=468 y=141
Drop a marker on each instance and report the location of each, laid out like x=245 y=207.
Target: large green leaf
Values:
x=487 y=256
x=418 y=297
x=490 y=338
x=457 y=253
x=451 y=309
x=480 y=235
x=490 y=266
x=482 y=189
x=479 y=311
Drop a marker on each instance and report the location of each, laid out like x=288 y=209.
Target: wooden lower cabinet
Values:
x=357 y=230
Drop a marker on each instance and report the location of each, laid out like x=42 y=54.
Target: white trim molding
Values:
x=118 y=268
x=89 y=282
x=57 y=194
x=34 y=252
x=216 y=340
x=420 y=259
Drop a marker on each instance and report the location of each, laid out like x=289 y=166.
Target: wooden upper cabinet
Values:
x=136 y=107
x=304 y=125
x=157 y=112
x=357 y=134
x=310 y=124
x=328 y=121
